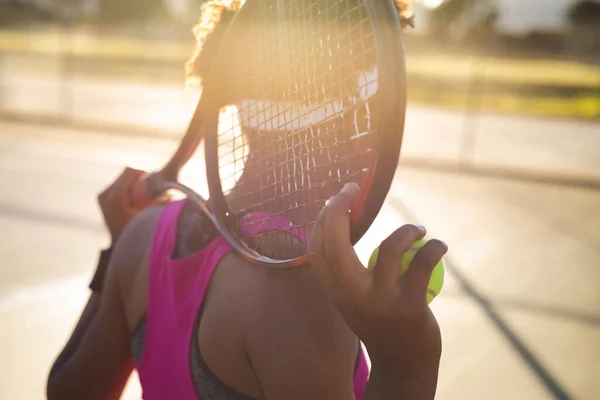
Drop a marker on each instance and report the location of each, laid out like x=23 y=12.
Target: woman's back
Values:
x=252 y=326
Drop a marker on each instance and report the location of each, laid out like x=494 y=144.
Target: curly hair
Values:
x=216 y=14
x=211 y=14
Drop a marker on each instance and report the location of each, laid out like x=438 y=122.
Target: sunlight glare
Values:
x=233 y=153
x=432 y=3
x=233 y=149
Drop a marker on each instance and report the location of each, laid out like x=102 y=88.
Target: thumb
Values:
x=323 y=246
x=339 y=252
x=131 y=175
x=337 y=225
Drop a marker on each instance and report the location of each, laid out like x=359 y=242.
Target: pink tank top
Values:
x=175 y=293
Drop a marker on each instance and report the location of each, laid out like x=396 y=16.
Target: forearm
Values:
x=386 y=384
x=85 y=320
x=76 y=375
x=89 y=312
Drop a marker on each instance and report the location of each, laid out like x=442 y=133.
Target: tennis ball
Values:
x=436 y=281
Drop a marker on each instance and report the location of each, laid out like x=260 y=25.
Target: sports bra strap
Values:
x=255 y=223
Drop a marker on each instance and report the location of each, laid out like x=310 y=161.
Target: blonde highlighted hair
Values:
x=210 y=16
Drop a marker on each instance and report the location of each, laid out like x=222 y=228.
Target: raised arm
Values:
x=390 y=315
x=96 y=361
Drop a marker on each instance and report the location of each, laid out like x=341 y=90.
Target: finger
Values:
x=319 y=233
x=133 y=171
x=391 y=250
x=339 y=252
x=322 y=268
x=123 y=184
x=102 y=198
x=316 y=243
x=317 y=260
x=414 y=283
x=128 y=176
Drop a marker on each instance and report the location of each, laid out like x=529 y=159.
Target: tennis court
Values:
x=520 y=311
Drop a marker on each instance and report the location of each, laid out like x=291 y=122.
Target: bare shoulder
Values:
x=300 y=346
x=130 y=261
x=139 y=231
x=298 y=300
x=275 y=334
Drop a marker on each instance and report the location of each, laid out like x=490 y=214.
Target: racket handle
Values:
x=140 y=195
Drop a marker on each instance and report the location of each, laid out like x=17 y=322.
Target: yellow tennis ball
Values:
x=436 y=281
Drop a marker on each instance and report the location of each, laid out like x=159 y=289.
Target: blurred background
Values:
x=501 y=160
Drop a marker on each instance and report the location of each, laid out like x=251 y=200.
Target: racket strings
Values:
x=303 y=116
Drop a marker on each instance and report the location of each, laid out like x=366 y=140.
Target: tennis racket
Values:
x=302 y=97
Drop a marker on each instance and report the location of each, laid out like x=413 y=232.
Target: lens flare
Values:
x=432 y=3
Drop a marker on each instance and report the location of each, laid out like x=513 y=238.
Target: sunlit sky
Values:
x=517 y=16
x=432 y=3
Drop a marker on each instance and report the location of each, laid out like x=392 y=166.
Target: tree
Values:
x=24 y=12
x=584 y=17
x=585 y=12
x=114 y=12
x=483 y=30
x=458 y=18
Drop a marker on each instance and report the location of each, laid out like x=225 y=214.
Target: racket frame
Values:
x=391 y=98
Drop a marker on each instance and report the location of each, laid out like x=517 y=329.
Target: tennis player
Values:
x=170 y=299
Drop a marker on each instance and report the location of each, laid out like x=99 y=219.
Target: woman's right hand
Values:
x=389 y=315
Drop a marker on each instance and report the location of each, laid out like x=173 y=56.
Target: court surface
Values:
x=520 y=313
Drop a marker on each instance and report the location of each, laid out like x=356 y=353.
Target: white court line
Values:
x=32 y=295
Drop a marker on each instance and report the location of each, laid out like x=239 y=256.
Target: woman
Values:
x=263 y=335
x=198 y=322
